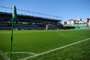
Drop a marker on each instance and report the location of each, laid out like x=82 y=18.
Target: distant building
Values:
x=78 y=24
x=88 y=21
x=69 y=22
x=74 y=22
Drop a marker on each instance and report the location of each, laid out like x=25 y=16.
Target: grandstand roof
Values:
x=28 y=16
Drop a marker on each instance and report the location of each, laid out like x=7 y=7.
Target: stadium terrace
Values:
x=26 y=22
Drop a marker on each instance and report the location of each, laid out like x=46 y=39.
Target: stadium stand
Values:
x=26 y=22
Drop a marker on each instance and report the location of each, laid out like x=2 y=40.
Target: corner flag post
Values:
x=12 y=28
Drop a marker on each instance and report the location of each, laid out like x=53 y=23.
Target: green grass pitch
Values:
x=30 y=42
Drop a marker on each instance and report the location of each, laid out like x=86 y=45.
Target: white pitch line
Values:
x=21 y=53
x=65 y=46
x=5 y=57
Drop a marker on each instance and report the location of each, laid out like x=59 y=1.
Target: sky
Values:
x=65 y=9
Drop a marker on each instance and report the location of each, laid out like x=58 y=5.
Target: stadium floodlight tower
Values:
x=12 y=28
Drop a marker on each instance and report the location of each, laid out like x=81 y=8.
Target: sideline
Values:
x=65 y=46
x=21 y=53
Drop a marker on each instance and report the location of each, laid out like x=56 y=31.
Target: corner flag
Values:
x=12 y=28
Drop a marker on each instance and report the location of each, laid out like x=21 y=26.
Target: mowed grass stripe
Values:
x=79 y=51
x=46 y=52
x=40 y=41
x=27 y=40
x=43 y=41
